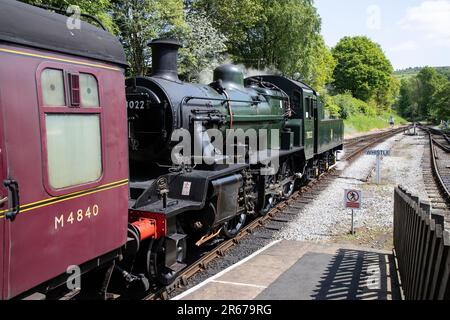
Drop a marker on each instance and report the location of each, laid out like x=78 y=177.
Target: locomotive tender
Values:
x=85 y=200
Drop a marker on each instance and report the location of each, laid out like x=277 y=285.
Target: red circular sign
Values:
x=353 y=196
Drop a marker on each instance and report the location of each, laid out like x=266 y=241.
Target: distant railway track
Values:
x=437 y=170
x=354 y=147
x=280 y=214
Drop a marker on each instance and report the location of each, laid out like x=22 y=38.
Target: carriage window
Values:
x=52 y=82
x=73 y=149
x=73 y=144
x=89 y=91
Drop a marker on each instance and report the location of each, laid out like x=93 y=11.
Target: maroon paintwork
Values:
x=32 y=250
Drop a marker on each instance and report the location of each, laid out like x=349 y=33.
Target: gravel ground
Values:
x=326 y=218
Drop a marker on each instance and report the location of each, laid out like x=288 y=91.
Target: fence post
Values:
x=422 y=213
x=438 y=216
x=444 y=290
x=422 y=247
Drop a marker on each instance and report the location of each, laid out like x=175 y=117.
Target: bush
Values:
x=348 y=106
x=329 y=105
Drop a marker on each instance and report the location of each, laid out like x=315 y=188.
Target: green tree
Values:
x=387 y=98
x=425 y=96
x=441 y=103
x=283 y=35
x=363 y=69
x=286 y=38
x=430 y=83
x=323 y=65
x=140 y=21
x=233 y=18
x=97 y=8
x=405 y=99
x=204 y=47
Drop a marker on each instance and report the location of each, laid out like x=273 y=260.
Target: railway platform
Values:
x=291 y=270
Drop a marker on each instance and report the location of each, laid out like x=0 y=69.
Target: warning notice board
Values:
x=353 y=199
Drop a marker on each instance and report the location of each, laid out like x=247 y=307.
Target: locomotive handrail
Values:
x=223 y=100
x=186 y=100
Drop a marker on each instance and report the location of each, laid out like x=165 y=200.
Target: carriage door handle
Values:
x=14 y=202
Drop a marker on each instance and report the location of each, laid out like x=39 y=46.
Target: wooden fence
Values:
x=422 y=248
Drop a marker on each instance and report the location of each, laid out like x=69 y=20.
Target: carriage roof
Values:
x=27 y=25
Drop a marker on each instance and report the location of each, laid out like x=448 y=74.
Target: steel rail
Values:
x=202 y=263
x=371 y=142
x=435 y=167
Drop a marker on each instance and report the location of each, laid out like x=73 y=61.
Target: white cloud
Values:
x=409 y=45
x=373 y=17
x=432 y=19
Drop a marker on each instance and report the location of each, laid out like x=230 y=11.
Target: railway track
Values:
x=279 y=216
x=437 y=170
x=355 y=147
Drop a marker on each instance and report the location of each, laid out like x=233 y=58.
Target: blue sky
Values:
x=411 y=32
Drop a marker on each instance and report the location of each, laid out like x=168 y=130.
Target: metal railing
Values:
x=422 y=248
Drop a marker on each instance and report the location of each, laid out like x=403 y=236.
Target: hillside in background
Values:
x=412 y=72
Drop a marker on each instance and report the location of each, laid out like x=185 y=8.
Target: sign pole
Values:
x=353 y=222
x=353 y=201
x=378 y=169
x=379 y=154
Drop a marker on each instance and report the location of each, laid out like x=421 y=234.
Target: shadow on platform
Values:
x=358 y=275
x=346 y=275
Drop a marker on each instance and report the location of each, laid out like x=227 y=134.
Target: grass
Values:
x=363 y=123
x=380 y=238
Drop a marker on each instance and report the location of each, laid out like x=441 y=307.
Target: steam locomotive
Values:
x=93 y=187
x=217 y=194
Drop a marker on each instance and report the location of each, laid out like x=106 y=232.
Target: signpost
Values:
x=352 y=200
x=380 y=154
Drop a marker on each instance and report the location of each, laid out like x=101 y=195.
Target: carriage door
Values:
x=316 y=126
x=3 y=207
x=309 y=127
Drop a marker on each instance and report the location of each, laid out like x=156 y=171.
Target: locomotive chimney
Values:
x=165 y=58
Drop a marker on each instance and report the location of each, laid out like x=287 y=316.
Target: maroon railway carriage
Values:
x=63 y=140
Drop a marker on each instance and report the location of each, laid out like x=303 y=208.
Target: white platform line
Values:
x=193 y=289
x=240 y=284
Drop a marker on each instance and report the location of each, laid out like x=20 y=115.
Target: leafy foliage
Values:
x=233 y=18
x=97 y=8
x=282 y=35
x=441 y=107
x=323 y=64
x=425 y=96
x=414 y=71
x=204 y=47
x=348 y=106
x=139 y=21
x=363 y=69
